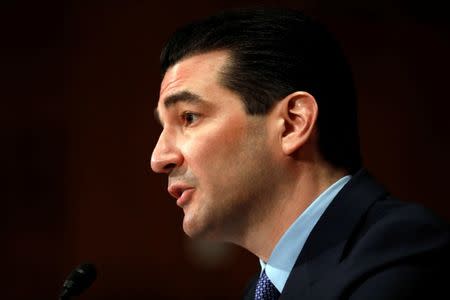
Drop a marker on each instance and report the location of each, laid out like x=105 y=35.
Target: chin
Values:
x=197 y=230
x=192 y=228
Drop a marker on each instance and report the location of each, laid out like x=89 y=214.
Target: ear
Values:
x=299 y=114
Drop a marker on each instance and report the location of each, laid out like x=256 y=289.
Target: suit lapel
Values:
x=326 y=245
x=249 y=293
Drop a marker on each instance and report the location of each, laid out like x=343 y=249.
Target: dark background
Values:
x=80 y=80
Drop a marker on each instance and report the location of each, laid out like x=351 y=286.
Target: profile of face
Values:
x=216 y=156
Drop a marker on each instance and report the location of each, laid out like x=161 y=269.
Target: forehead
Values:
x=195 y=72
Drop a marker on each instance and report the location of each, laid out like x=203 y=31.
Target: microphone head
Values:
x=78 y=280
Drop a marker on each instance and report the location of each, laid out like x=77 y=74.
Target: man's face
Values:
x=216 y=156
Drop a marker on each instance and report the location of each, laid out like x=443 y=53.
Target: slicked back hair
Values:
x=275 y=52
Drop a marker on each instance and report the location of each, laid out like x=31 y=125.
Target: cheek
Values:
x=214 y=151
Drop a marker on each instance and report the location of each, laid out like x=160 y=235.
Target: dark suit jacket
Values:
x=368 y=245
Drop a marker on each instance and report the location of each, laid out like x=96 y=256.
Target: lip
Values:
x=181 y=192
x=185 y=197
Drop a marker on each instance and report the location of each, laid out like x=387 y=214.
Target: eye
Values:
x=189 y=118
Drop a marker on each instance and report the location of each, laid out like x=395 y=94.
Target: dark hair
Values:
x=275 y=52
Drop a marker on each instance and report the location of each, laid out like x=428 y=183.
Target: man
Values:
x=260 y=145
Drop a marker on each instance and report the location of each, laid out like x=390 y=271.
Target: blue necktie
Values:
x=265 y=290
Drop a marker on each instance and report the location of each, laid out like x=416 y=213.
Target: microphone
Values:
x=78 y=280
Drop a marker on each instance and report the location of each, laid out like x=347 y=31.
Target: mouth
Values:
x=181 y=192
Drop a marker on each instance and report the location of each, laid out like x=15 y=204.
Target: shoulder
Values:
x=400 y=249
x=381 y=222
x=391 y=225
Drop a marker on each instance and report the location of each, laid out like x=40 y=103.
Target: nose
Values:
x=166 y=156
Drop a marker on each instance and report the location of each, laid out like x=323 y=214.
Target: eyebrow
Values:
x=182 y=96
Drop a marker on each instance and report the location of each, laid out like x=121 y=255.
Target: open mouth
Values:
x=179 y=191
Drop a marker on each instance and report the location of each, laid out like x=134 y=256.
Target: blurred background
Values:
x=80 y=80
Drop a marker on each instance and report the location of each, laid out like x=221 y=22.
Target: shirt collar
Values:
x=288 y=248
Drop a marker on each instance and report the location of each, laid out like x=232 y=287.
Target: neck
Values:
x=288 y=202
